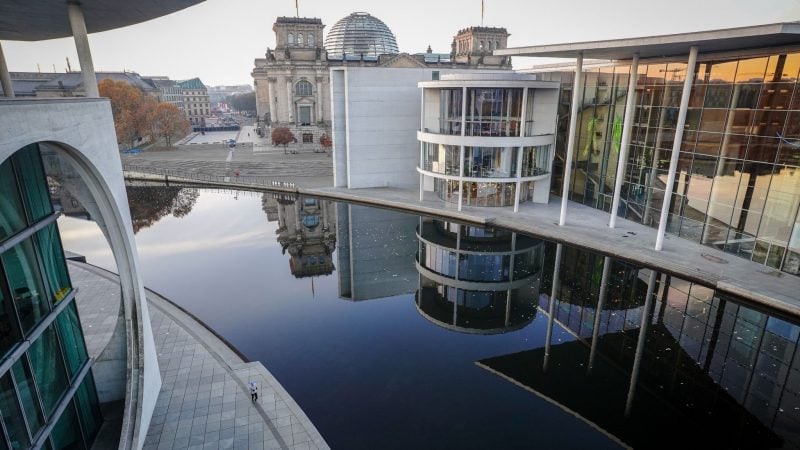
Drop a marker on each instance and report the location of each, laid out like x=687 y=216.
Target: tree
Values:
x=325 y=141
x=282 y=136
x=242 y=102
x=168 y=122
x=126 y=107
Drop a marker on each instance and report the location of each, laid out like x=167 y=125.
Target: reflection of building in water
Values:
x=306 y=232
x=477 y=280
x=665 y=361
x=376 y=252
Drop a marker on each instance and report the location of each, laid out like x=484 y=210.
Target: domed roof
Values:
x=360 y=33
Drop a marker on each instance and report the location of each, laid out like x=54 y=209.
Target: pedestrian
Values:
x=253 y=391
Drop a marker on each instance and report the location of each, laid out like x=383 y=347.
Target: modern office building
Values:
x=487 y=139
x=477 y=280
x=49 y=386
x=707 y=149
x=293 y=84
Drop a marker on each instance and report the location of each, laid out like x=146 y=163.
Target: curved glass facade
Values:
x=736 y=187
x=360 y=34
x=489 y=111
x=39 y=326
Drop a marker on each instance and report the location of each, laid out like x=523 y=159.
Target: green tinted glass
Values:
x=27 y=289
x=55 y=267
x=34 y=183
x=67 y=434
x=12 y=416
x=27 y=393
x=48 y=366
x=69 y=329
x=88 y=407
x=12 y=216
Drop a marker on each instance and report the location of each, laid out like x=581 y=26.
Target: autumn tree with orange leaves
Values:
x=137 y=115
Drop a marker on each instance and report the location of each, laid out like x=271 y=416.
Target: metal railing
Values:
x=178 y=175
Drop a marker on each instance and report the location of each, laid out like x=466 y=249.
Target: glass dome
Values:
x=360 y=34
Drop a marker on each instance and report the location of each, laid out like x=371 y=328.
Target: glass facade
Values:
x=361 y=35
x=736 y=187
x=41 y=341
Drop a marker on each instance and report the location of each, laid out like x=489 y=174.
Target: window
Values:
x=435 y=75
x=303 y=88
x=300 y=39
x=304 y=115
x=310 y=40
x=290 y=39
x=308 y=138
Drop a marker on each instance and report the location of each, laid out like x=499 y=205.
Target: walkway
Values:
x=204 y=401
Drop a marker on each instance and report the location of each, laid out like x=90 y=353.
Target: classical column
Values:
x=551 y=308
x=272 y=92
x=78 y=27
x=289 y=105
x=627 y=124
x=643 y=326
x=5 y=77
x=597 y=312
x=676 y=147
x=577 y=87
x=320 y=117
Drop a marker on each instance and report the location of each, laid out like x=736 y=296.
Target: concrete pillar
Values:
x=320 y=99
x=518 y=175
x=78 y=27
x=627 y=124
x=577 y=87
x=289 y=105
x=461 y=174
x=551 y=308
x=644 y=325
x=597 y=312
x=5 y=77
x=676 y=147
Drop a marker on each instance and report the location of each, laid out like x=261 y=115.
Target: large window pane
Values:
x=12 y=416
x=9 y=332
x=34 y=184
x=54 y=265
x=88 y=407
x=48 y=367
x=12 y=216
x=26 y=285
x=69 y=329
x=67 y=433
x=28 y=396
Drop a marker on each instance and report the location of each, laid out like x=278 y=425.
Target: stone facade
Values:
x=292 y=82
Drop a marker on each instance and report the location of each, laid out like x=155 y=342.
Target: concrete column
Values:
x=624 y=147
x=518 y=175
x=5 y=77
x=320 y=99
x=676 y=147
x=644 y=325
x=577 y=88
x=597 y=312
x=78 y=26
x=551 y=308
x=461 y=174
x=289 y=105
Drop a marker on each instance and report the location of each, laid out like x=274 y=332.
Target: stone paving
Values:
x=204 y=401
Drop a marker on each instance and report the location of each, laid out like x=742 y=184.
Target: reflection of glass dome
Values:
x=360 y=33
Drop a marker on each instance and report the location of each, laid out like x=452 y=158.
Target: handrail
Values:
x=182 y=175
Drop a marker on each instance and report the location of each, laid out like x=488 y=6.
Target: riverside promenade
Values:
x=204 y=401
x=585 y=227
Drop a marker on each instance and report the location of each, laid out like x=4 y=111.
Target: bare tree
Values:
x=282 y=136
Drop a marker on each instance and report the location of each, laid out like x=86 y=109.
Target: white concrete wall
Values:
x=545 y=109
x=84 y=130
x=382 y=115
x=339 y=128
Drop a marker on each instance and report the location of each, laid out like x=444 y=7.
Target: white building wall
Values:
x=382 y=116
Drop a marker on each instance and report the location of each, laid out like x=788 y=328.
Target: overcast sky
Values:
x=217 y=40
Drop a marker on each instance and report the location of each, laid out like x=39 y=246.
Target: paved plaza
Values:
x=204 y=401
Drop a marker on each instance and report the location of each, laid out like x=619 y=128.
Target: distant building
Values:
x=168 y=91
x=292 y=82
x=70 y=84
x=195 y=101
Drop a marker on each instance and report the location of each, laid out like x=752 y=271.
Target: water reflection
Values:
x=641 y=358
x=477 y=280
x=305 y=230
x=656 y=359
x=149 y=204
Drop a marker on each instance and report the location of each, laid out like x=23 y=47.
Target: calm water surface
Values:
x=452 y=352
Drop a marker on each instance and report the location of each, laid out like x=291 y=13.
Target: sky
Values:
x=217 y=40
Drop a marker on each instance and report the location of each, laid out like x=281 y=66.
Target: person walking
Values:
x=253 y=391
